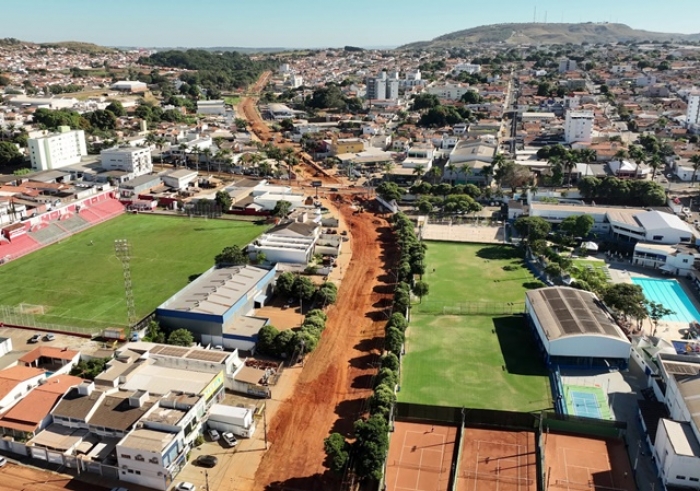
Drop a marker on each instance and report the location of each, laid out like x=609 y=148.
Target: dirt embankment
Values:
x=336 y=381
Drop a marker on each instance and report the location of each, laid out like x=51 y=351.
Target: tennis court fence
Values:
x=483 y=476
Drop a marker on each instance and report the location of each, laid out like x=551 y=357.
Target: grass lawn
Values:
x=458 y=361
x=481 y=361
x=463 y=273
x=232 y=100
x=82 y=285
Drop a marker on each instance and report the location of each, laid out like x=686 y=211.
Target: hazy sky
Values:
x=311 y=23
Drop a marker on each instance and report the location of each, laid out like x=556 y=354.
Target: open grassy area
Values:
x=82 y=285
x=482 y=361
x=468 y=273
x=232 y=100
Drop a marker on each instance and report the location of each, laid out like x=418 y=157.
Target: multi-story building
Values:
x=376 y=87
x=470 y=68
x=578 y=126
x=567 y=66
x=450 y=91
x=136 y=161
x=693 y=115
x=56 y=150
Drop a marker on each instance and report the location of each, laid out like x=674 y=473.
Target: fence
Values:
x=24 y=315
x=436 y=307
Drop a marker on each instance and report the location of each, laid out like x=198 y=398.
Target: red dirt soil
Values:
x=332 y=389
x=420 y=457
x=497 y=461
x=250 y=112
x=16 y=478
x=580 y=463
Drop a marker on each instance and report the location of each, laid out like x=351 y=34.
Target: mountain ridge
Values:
x=549 y=33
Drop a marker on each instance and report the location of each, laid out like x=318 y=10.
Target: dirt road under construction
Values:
x=337 y=378
x=248 y=109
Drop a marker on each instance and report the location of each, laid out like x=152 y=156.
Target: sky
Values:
x=311 y=23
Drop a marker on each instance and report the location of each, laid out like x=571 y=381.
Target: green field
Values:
x=82 y=285
x=479 y=361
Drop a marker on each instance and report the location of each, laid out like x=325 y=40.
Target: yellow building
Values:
x=347 y=145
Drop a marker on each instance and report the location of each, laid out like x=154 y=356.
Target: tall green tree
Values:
x=181 y=337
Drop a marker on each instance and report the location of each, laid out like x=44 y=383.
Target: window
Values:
x=658 y=237
x=680 y=478
x=125 y=456
x=685 y=261
x=694 y=479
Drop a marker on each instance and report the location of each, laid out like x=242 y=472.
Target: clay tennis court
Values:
x=420 y=457
x=497 y=461
x=577 y=463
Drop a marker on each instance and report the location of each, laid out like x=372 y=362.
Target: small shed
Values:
x=237 y=420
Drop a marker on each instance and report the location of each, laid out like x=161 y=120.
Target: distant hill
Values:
x=215 y=49
x=535 y=33
x=72 y=45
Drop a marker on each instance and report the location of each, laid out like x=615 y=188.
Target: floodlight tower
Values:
x=123 y=251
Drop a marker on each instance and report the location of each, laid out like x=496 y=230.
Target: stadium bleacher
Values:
x=75 y=223
x=49 y=234
x=19 y=246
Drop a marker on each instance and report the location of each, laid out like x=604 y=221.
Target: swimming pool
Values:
x=671 y=294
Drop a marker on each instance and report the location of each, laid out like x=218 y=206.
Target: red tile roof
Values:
x=49 y=352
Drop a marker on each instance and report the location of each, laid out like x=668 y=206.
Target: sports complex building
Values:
x=218 y=307
x=574 y=329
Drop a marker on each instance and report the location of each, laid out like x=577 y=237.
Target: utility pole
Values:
x=206 y=479
x=265 y=423
x=122 y=249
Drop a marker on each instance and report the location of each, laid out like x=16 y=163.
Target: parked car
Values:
x=49 y=337
x=35 y=338
x=185 y=486
x=229 y=438
x=214 y=435
x=207 y=461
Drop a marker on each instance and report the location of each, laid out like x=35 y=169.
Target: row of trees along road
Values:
x=369 y=450
x=626 y=300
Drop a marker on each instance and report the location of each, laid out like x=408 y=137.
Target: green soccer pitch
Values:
x=478 y=361
x=80 y=283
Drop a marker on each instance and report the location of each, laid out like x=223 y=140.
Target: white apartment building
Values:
x=412 y=79
x=578 y=126
x=450 y=91
x=296 y=81
x=470 y=68
x=135 y=160
x=567 y=66
x=56 y=150
x=693 y=114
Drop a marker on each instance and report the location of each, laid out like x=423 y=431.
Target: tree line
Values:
x=369 y=450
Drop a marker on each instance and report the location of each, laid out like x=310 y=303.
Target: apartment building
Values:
x=578 y=126
x=135 y=160
x=693 y=114
x=56 y=150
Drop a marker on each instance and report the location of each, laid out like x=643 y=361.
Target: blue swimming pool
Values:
x=671 y=294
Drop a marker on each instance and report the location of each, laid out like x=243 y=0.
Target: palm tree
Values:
x=695 y=160
x=639 y=156
x=223 y=156
x=620 y=155
x=418 y=171
x=587 y=155
x=184 y=149
x=569 y=162
x=434 y=174
x=292 y=161
x=207 y=155
x=655 y=162
x=160 y=143
x=467 y=171
x=451 y=168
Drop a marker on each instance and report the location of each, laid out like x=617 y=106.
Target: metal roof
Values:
x=566 y=312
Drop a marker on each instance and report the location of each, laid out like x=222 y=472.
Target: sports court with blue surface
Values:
x=586 y=402
x=671 y=295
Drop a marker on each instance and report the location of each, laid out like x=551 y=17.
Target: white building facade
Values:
x=693 y=114
x=137 y=161
x=578 y=126
x=61 y=149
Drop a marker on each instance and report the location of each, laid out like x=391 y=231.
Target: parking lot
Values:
x=236 y=467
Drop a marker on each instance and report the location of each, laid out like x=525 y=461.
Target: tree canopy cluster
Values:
x=224 y=71
x=92 y=122
x=622 y=192
x=231 y=256
x=331 y=97
x=293 y=342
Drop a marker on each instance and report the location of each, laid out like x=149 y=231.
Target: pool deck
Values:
x=622 y=272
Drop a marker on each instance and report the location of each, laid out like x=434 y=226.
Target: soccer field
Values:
x=478 y=361
x=80 y=282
